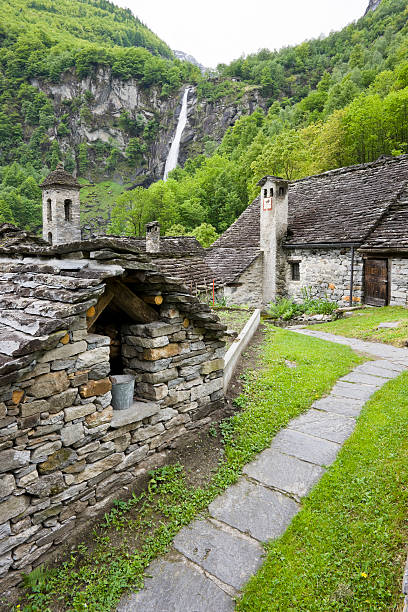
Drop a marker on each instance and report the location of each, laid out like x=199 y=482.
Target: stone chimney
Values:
x=61 y=207
x=153 y=237
x=273 y=228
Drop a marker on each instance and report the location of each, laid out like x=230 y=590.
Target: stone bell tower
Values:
x=61 y=207
x=274 y=225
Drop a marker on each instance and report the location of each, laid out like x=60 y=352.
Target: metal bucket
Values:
x=123 y=389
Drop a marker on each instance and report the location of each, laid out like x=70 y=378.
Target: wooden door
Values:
x=376 y=282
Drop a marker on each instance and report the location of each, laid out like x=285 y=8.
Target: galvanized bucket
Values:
x=123 y=389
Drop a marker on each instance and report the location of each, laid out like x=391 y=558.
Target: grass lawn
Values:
x=364 y=323
x=137 y=531
x=346 y=549
x=234 y=319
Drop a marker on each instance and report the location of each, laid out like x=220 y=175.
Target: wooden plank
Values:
x=132 y=305
x=97 y=310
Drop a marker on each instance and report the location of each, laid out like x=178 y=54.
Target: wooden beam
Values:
x=132 y=305
x=94 y=312
x=153 y=299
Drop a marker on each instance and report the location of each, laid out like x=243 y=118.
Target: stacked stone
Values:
x=180 y=368
x=326 y=272
x=64 y=451
x=399 y=282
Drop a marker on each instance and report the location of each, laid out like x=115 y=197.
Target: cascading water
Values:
x=172 y=158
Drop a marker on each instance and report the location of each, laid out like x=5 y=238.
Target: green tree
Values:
x=205 y=233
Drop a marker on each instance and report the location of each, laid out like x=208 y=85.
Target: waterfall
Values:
x=172 y=158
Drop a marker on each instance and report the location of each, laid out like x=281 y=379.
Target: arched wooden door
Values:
x=376 y=282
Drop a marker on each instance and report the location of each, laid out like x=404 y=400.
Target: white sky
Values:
x=217 y=31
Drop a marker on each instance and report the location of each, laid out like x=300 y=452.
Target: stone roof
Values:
x=237 y=248
x=392 y=232
x=342 y=206
x=60 y=178
x=44 y=289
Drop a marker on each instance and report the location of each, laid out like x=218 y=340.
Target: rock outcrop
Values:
x=91 y=109
x=373 y=4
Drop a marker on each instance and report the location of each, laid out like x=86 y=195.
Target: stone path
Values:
x=214 y=557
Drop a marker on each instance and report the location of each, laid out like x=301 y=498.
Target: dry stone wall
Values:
x=64 y=451
x=399 y=282
x=326 y=272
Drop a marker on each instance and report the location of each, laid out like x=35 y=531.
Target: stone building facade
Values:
x=61 y=207
x=70 y=316
x=340 y=234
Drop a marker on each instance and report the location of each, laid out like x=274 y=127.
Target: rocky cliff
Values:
x=104 y=113
x=373 y=4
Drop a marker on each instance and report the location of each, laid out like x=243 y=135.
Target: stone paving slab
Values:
x=362 y=378
x=333 y=427
x=229 y=556
x=343 y=389
x=339 y=405
x=387 y=365
x=305 y=447
x=378 y=370
x=253 y=509
x=174 y=586
x=284 y=472
x=372 y=348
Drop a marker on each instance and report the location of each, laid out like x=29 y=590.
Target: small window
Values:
x=295 y=271
x=49 y=210
x=265 y=193
x=281 y=191
x=50 y=237
x=68 y=210
x=271 y=192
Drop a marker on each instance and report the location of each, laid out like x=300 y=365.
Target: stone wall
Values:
x=249 y=289
x=327 y=273
x=64 y=451
x=61 y=230
x=399 y=282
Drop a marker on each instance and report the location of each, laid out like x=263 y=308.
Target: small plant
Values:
x=221 y=301
x=286 y=309
x=212 y=432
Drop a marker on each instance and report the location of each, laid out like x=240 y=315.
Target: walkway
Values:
x=213 y=558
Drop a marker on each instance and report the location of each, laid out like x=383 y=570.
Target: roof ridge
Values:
x=381 y=161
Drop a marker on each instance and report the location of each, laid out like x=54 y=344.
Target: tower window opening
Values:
x=271 y=192
x=68 y=210
x=49 y=210
x=281 y=191
x=265 y=193
x=50 y=237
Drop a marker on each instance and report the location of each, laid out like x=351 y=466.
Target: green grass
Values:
x=234 y=319
x=137 y=531
x=98 y=199
x=363 y=324
x=345 y=550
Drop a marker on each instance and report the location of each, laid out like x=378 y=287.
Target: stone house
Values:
x=71 y=315
x=341 y=234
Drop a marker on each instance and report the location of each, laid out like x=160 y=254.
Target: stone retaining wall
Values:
x=65 y=453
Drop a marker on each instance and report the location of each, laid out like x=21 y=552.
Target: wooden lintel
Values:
x=99 y=307
x=132 y=305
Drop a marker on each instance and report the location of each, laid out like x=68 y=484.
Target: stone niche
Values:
x=65 y=453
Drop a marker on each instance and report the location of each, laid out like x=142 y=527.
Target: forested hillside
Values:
x=333 y=102
x=84 y=82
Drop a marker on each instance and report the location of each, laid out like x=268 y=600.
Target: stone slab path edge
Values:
x=213 y=558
